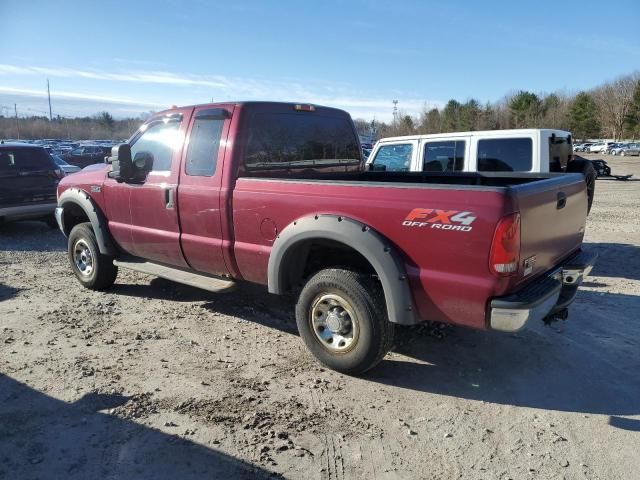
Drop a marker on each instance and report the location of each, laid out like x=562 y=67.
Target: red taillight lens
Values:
x=505 y=248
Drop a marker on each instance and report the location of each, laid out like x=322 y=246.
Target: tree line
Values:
x=99 y=126
x=611 y=110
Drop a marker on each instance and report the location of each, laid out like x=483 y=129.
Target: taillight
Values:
x=505 y=248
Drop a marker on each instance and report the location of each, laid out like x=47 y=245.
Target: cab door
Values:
x=200 y=189
x=155 y=228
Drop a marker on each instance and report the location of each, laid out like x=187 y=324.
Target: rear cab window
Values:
x=505 y=155
x=288 y=144
x=443 y=156
x=394 y=157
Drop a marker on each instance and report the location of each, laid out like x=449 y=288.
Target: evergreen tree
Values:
x=583 y=117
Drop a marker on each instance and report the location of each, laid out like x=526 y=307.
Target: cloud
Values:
x=78 y=96
x=201 y=88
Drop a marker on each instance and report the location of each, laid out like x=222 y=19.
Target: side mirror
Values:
x=122 y=168
x=377 y=168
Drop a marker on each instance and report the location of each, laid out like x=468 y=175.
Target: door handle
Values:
x=169 y=198
x=562 y=200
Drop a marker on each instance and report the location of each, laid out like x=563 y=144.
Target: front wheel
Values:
x=342 y=319
x=93 y=269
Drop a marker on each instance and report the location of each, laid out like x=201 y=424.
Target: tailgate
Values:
x=553 y=213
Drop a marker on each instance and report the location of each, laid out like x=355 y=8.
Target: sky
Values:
x=130 y=57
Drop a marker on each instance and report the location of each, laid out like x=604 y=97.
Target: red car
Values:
x=277 y=194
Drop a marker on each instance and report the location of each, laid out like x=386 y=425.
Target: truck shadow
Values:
x=7 y=292
x=582 y=366
x=620 y=260
x=42 y=437
x=246 y=300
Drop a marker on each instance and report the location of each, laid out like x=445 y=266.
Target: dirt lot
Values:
x=156 y=380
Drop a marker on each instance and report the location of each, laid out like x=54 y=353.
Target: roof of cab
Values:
x=251 y=103
x=478 y=133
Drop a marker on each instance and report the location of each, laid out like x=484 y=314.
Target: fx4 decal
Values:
x=440 y=219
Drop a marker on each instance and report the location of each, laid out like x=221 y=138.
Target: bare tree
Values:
x=614 y=100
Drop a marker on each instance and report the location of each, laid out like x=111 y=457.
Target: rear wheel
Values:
x=93 y=269
x=341 y=318
x=589 y=172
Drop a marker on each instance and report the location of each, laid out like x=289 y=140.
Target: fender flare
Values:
x=384 y=259
x=98 y=221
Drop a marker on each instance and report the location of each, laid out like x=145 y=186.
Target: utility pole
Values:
x=395 y=110
x=49 y=96
x=15 y=109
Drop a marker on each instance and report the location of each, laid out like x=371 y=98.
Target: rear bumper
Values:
x=550 y=294
x=27 y=211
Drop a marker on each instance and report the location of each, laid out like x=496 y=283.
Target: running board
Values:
x=198 y=280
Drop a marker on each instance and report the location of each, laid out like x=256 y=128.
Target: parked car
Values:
x=28 y=181
x=600 y=147
x=67 y=168
x=87 y=155
x=521 y=150
x=617 y=148
x=633 y=149
x=582 y=147
x=277 y=194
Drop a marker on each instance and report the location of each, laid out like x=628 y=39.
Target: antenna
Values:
x=49 y=96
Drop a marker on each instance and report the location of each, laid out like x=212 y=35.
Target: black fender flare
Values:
x=81 y=199
x=384 y=259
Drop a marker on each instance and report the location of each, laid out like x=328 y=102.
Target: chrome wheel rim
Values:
x=83 y=258
x=334 y=323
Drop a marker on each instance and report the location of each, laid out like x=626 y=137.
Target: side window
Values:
x=394 y=158
x=157 y=142
x=445 y=156
x=505 y=155
x=77 y=151
x=204 y=143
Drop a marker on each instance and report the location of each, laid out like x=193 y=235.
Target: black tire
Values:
x=585 y=167
x=371 y=331
x=99 y=272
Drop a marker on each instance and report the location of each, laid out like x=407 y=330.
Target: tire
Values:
x=622 y=154
x=333 y=299
x=589 y=172
x=607 y=171
x=93 y=269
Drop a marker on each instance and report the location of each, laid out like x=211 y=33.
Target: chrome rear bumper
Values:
x=552 y=293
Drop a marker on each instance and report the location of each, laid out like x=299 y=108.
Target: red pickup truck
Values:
x=277 y=194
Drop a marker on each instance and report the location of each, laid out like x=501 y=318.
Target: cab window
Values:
x=158 y=142
x=505 y=155
x=445 y=156
x=394 y=158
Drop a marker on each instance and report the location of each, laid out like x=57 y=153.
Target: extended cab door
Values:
x=199 y=192
x=155 y=229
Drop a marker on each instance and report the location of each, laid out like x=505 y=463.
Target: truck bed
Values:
x=448 y=269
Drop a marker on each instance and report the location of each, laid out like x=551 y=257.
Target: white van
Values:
x=523 y=150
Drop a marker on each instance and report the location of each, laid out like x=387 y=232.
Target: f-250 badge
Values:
x=440 y=219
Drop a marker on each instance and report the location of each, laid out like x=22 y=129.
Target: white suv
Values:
x=523 y=150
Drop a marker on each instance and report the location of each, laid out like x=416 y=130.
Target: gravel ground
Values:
x=157 y=380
